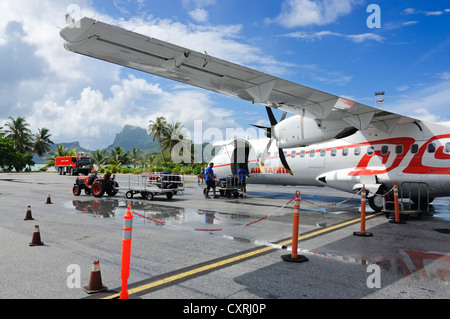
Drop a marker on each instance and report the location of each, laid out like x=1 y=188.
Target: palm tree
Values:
x=19 y=132
x=42 y=142
x=99 y=157
x=175 y=133
x=135 y=156
x=118 y=156
x=159 y=129
x=60 y=151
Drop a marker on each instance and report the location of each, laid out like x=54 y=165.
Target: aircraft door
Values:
x=240 y=156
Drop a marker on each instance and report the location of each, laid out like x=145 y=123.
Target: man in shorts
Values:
x=210 y=179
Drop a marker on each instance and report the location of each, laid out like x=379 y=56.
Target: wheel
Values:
x=150 y=196
x=129 y=194
x=169 y=195
x=376 y=202
x=60 y=170
x=98 y=189
x=76 y=190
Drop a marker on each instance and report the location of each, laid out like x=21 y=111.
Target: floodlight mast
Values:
x=379 y=99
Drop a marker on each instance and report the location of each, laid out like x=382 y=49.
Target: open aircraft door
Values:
x=240 y=155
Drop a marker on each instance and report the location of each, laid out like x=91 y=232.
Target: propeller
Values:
x=269 y=130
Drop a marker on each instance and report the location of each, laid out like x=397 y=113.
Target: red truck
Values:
x=74 y=165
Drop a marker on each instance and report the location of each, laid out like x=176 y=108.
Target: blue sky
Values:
x=324 y=44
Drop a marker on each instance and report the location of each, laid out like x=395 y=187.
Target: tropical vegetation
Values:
x=18 y=145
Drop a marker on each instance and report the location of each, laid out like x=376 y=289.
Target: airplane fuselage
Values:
x=413 y=152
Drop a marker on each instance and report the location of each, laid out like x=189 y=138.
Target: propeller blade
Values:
x=273 y=120
x=283 y=116
x=284 y=162
x=267 y=129
x=259 y=126
x=264 y=154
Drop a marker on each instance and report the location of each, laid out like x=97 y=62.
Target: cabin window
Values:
x=431 y=148
x=293 y=153
x=312 y=153
x=333 y=151
x=414 y=149
x=399 y=149
x=384 y=149
x=357 y=150
x=302 y=153
x=275 y=155
x=344 y=151
x=447 y=148
x=323 y=152
x=370 y=150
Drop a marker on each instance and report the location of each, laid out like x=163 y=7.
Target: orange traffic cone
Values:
x=36 y=239
x=28 y=215
x=95 y=280
x=49 y=201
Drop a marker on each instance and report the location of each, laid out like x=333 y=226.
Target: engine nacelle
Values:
x=298 y=131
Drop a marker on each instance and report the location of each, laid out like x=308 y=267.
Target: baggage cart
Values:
x=149 y=185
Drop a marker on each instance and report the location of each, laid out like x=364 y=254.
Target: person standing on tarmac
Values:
x=242 y=173
x=210 y=179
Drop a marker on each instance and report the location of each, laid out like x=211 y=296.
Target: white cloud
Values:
x=93 y=117
x=403 y=88
x=410 y=23
x=199 y=15
x=357 y=38
x=88 y=100
x=295 y=13
x=443 y=75
x=431 y=101
x=411 y=11
x=198 y=3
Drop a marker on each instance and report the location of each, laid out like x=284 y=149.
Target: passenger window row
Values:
x=384 y=150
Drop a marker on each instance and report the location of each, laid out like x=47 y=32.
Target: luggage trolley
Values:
x=229 y=186
x=150 y=185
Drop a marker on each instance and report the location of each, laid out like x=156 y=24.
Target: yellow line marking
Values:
x=233 y=259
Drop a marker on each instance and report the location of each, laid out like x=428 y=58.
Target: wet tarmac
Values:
x=188 y=232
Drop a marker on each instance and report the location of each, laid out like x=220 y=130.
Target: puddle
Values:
x=197 y=221
x=158 y=215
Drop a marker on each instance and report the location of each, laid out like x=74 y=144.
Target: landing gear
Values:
x=376 y=202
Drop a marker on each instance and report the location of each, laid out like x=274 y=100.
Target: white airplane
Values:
x=329 y=141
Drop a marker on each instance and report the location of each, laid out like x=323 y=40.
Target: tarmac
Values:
x=190 y=248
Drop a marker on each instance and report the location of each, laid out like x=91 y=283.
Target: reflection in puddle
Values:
x=225 y=225
x=158 y=215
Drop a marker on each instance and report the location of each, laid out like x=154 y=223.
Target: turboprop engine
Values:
x=298 y=131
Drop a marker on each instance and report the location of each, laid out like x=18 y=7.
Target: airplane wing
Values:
x=117 y=45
